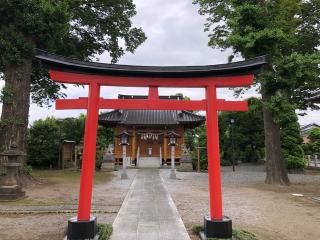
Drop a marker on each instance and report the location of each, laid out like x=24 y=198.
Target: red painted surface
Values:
x=135 y=104
x=93 y=103
x=153 y=93
x=89 y=153
x=81 y=103
x=213 y=154
x=196 y=82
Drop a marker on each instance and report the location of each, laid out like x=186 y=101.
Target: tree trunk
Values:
x=16 y=102
x=275 y=167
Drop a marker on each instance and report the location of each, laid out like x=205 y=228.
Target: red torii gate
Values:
x=95 y=75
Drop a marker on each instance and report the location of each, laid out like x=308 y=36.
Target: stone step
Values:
x=149 y=162
x=10 y=189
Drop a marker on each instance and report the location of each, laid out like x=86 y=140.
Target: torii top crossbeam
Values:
x=211 y=77
x=56 y=62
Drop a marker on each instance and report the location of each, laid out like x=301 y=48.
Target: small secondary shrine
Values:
x=148 y=144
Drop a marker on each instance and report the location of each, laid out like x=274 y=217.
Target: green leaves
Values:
x=286 y=30
x=6 y=95
x=242 y=140
x=74 y=28
x=314 y=145
x=43 y=142
x=44 y=137
x=300 y=75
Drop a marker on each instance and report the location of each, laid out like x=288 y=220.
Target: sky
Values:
x=175 y=36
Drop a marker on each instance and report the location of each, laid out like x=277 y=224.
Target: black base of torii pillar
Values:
x=217 y=228
x=82 y=229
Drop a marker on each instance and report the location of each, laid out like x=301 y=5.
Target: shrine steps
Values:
x=149 y=162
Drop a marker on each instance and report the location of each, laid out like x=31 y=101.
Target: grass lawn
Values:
x=55 y=187
x=237 y=234
x=67 y=176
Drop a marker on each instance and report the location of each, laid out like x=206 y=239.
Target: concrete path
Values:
x=148 y=212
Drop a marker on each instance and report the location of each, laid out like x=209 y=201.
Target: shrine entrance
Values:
x=150 y=143
x=95 y=75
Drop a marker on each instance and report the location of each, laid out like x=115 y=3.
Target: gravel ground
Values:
x=271 y=212
x=31 y=221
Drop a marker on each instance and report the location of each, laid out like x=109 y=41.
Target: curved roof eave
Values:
x=57 y=62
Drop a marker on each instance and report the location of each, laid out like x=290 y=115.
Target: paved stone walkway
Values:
x=148 y=212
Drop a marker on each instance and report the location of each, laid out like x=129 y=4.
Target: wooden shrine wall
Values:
x=135 y=141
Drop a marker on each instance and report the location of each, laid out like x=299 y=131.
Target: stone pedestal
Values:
x=108 y=163
x=9 y=189
x=186 y=164
x=11 y=192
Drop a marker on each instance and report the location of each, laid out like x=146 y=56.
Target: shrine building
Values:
x=148 y=129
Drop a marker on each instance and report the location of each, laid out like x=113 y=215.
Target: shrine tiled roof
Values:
x=150 y=117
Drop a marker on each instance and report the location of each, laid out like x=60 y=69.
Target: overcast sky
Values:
x=175 y=37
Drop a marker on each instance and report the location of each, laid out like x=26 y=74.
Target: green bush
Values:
x=45 y=137
x=27 y=169
x=203 y=159
x=105 y=231
x=225 y=160
x=196 y=229
x=99 y=157
x=313 y=147
x=293 y=162
x=237 y=234
x=243 y=235
x=43 y=143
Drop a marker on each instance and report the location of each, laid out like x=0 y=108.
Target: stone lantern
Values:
x=172 y=142
x=185 y=160
x=9 y=187
x=124 y=142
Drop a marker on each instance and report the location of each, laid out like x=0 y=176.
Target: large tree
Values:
x=74 y=28
x=288 y=32
x=243 y=139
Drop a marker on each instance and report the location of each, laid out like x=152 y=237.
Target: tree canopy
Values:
x=285 y=30
x=77 y=28
x=288 y=32
x=242 y=140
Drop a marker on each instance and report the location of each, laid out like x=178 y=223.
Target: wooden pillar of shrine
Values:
x=134 y=144
x=165 y=146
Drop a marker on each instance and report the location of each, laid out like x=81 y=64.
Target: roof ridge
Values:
x=63 y=63
x=194 y=114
